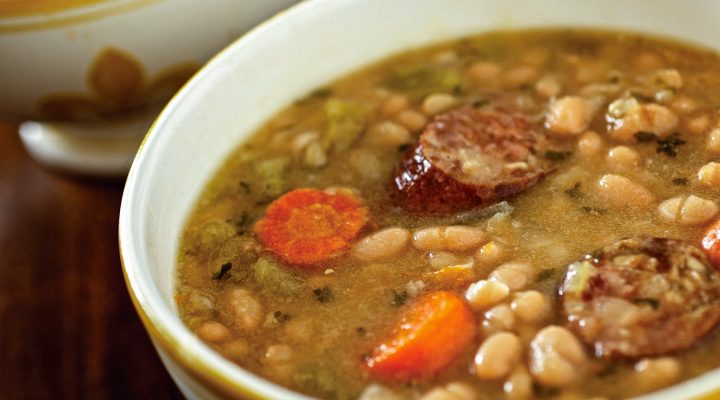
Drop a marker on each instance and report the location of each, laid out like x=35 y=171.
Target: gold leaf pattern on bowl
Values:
x=118 y=84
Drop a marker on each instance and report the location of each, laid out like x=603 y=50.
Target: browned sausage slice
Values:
x=470 y=157
x=642 y=297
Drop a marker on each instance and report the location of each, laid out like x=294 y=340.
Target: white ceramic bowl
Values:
x=283 y=59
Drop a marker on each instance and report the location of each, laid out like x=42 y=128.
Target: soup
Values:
x=514 y=215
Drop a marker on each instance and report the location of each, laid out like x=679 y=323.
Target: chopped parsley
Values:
x=654 y=303
x=245 y=187
x=480 y=102
x=399 y=298
x=669 y=145
x=593 y=210
x=223 y=273
x=645 y=137
x=546 y=274
x=281 y=317
x=610 y=369
x=574 y=192
x=680 y=181
x=555 y=155
x=323 y=294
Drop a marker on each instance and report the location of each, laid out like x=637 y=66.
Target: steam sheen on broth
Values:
x=513 y=215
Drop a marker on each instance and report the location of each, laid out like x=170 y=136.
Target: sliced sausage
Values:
x=642 y=297
x=470 y=157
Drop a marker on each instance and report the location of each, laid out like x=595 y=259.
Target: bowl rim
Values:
x=172 y=335
x=36 y=21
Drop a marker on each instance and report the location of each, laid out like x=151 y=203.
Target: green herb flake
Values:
x=554 y=155
x=546 y=274
x=654 y=303
x=273 y=277
x=680 y=181
x=595 y=211
x=422 y=80
x=281 y=317
x=245 y=187
x=346 y=120
x=323 y=294
x=609 y=370
x=223 y=273
x=574 y=192
x=669 y=145
x=480 y=103
x=361 y=331
x=399 y=298
x=645 y=137
x=317 y=94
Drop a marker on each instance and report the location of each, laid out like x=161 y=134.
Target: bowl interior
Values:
x=314 y=43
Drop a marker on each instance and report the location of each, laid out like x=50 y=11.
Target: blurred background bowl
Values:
x=95 y=70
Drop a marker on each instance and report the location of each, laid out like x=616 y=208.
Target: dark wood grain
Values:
x=67 y=327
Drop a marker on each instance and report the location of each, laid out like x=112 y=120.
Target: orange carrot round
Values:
x=711 y=244
x=433 y=332
x=308 y=226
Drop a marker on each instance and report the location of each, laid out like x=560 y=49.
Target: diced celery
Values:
x=212 y=234
x=422 y=80
x=318 y=379
x=346 y=121
x=272 y=172
x=577 y=278
x=274 y=278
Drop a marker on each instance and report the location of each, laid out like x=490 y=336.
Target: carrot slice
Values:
x=432 y=333
x=308 y=226
x=711 y=244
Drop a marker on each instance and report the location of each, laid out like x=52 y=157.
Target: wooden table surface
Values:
x=67 y=327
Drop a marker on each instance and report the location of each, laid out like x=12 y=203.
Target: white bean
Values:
x=709 y=175
x=411 y=119
x=530 y=306
x=484 y=72
x=622 y=158
x=696 y=210
x=245 y=309
x=518 y=385
x=623 y=192
x=315 y=155
x=713 y=141
x=497 y=356
x=213 y=331
x=437 y=103
x=491 y=253
x=688 y=210
x=394 y=104
x=483 y=294
x=519 y=76
x=556 y=357
x=698 y=124
x=569 y=115
x=498 y=318
x=656 y=373
x=514 y=275
x=389 y=134
x=382 y=244
x=548 y=86
x=376 y=391
x=627 y=117
x=453 y=238
x=278 y=354
x=589 y=144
